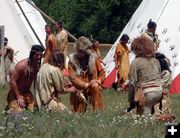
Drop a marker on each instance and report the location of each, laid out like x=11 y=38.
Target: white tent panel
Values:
x=14 y=29
x=164 y=13
x=34 y=18
x=169 y=34
x=17 y=30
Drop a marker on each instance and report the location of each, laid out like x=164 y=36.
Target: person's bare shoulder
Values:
x=19 y=70
x=22 y=65
x=9 y=48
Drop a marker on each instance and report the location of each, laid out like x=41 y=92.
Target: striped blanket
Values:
x=166 y=78
x=165 y=101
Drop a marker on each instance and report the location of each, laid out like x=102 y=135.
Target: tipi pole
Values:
x=2 y=81
x=50 y=19
x=162 y=11
x=29 y=23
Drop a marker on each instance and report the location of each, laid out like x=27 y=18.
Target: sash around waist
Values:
x=151 y=87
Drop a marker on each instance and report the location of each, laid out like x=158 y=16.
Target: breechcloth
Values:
x=153 y=93
x=13 y=104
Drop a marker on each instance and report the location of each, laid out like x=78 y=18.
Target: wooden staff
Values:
x=50 y=19
x=2 y=68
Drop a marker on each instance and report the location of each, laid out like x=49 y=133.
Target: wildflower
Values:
x=2 y=127
x=24 y=118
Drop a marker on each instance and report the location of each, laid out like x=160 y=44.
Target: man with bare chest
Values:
x=24 y=73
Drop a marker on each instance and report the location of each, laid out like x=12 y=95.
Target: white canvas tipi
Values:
x=17 y=29
x=165 y=13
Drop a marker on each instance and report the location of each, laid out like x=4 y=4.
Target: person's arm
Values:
x=101 y=72
x=52 y=43
x=117 y=55
x=17 y=72
x=132 y=81
x=59 y=81
x=3 y=52
x=115 y=60
x=0 y=52
x=78 y=83
x=101 y=61
x=64 y=42
x=10 y=53
x=63 y=45
x=99 y=57
x=70 y=89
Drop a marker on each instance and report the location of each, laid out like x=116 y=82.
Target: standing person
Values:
x=50 y=43
x=24 y=73
x=50 y=83
x=121 y=59
x=86 y=74
x=145 y=75
x=8 y=59
x=95 y=50
x=150 y=33
x=61 y=38
x=9 y=52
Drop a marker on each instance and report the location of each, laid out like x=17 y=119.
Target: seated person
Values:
x=144 y=76
x=51 y=82
x=86 y=74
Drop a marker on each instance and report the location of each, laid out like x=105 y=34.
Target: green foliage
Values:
x=107 y=124
x=103 y=19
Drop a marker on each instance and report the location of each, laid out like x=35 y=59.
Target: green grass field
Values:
x=107 y=124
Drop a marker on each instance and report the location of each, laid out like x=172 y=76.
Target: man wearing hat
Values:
x=86 y=74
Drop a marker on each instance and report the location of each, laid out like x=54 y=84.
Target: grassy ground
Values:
x=107 y=124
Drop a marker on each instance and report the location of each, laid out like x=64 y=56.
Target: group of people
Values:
x=45 y=69
x=57 y=40
x=148 y=74
x=146 y=77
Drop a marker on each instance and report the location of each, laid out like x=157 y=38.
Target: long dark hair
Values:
x=124 y=37
x=57 y=59
x=35 y=49
x=59 y=23
x=151 y=24
x=163 y=61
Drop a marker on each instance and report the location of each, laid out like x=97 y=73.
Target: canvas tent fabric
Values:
x=110 y=79
x=164 y=13
x=17 y=30
x=175 y=86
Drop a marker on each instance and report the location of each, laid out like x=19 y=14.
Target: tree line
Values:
x=102 y=19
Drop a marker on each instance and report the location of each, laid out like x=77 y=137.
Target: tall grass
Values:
x=107 y=124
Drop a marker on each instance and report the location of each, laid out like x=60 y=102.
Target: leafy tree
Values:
x=103 y=19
